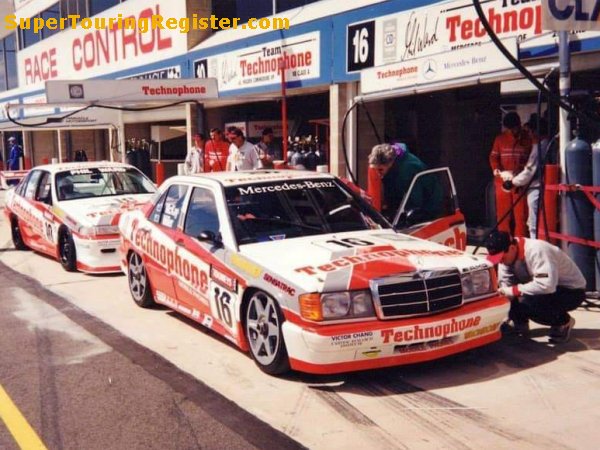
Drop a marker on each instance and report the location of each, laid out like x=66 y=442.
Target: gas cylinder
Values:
x=580 y=212
x=596 y=182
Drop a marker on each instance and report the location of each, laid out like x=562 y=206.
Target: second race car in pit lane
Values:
x=70 y=211
x=303 y=273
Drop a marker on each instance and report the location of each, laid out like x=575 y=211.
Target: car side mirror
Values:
x=211 y=237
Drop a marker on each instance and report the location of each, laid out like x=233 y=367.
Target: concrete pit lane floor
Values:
x=516 y=393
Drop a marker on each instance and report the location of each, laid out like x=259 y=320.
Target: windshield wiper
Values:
x=281 y=221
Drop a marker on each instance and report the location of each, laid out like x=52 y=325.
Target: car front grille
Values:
x=417 y=293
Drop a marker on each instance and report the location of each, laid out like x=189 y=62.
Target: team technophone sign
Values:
x=259 y=65
x=571 y=15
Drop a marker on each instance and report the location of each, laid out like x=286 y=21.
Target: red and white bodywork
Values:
x=410 y=300
x=42 y=215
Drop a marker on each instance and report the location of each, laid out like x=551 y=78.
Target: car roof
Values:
x=61 y=167
x=246 y=177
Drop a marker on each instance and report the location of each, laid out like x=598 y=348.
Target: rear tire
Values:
x=67 y=251
x=139 y=284
x=17 y=237
x=262 y=326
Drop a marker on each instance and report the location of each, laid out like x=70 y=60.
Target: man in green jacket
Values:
x=397 y=167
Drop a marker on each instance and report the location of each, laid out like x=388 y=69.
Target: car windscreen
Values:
x=295 y=208
x=101 y=182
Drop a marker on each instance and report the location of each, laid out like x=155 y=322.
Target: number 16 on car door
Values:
x=222 y=306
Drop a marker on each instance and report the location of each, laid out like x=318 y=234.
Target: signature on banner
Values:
x=420 y=34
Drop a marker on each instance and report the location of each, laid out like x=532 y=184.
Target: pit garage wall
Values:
x=43 y=145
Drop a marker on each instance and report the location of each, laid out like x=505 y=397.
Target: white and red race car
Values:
x=302 y=272
x=71 y=211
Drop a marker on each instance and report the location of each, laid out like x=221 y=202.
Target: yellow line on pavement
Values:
x=18 y=426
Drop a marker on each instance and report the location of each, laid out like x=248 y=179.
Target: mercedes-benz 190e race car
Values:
x=71 y=211
x=303 y=273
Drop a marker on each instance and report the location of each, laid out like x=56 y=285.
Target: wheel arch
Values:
x=59 y=233
x=243 y=340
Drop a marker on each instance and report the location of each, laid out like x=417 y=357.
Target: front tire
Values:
x=139 y=284
x=17 y=237
x=67 y=251
x=263 y=331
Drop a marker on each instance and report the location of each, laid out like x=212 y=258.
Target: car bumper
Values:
x=98 y=255
x=376 y=344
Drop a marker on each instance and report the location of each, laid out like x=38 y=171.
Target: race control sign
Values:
x=570 y=15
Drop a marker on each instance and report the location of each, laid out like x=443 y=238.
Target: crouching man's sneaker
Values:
x=561 y=333
x=512 y=328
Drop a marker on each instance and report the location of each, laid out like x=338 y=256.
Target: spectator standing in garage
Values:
x=16 y=153
x=508 y=157
x=396 y=166
x=266 y=151
x=542 y=282
x=194 y=161
x=216 y=152
x=243 y=155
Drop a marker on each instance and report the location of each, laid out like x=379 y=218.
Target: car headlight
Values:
x=99 y=230
x=336 y=305
x=477 y=284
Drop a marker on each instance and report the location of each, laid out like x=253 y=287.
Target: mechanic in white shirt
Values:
x=194 y=161
x=242 y=155
x=541 y=280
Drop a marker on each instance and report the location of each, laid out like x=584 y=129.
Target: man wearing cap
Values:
x=541 y=280
x=16 y=153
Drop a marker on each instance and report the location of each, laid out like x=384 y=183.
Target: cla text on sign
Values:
x=570 y=15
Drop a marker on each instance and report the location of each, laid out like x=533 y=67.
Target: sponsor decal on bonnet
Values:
x=362 y=258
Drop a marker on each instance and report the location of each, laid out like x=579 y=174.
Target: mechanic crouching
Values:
x=542 y=282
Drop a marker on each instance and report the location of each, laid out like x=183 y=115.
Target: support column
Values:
x=3 y=150
x=564 y=81
x=340 y=100
x=111 y=135
x=191 y=123
x=60 y=146
x=27 y=150
x=121 y=136
x=367 y=137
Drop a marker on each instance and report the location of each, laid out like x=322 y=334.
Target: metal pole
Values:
x=564 y=59
x=110 y=144
x=284 y=122
x=121 y=136
x=60 y=152
x=274 y=7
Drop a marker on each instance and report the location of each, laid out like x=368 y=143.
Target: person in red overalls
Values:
x=508 y=157
x=216 y=152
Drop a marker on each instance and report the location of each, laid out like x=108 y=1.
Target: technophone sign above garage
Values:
x=85 y=53
x=478 y=60
x=259 y=65
x=436 y=29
